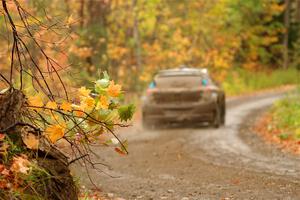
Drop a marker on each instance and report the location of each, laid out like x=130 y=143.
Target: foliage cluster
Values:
x=92 y=113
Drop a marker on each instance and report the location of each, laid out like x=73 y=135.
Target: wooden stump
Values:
x=60 y=185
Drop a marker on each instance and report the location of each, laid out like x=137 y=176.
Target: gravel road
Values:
x=200 y=163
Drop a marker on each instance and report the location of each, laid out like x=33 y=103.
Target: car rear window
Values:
x=179 y=81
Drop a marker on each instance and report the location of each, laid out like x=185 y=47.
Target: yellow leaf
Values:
x=113 y=89
x=84 y=92
x=31 y=141
x=54 y=116
x=87 y=103
x=51 y=105
x=36 y=101
x=90 y=102
x=70 y=20
x=55 y=132
x=66 y=106
x=103 y=103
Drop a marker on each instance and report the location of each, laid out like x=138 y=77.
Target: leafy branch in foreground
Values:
x=79 y=122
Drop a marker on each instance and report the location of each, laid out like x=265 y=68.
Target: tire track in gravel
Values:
x=226 y=146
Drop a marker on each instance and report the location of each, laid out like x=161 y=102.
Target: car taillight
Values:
x=152 y=85
x=151 y=88
x=204 y=82
x=148 y=97
x=149 y=91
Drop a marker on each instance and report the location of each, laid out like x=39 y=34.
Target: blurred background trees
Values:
x=132 y=39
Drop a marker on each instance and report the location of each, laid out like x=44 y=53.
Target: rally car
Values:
x=183 y=95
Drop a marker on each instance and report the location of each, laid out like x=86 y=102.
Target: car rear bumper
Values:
x=194 y=112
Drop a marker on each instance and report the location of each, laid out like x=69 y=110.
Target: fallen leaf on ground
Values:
x=20 y=165
x=31 y=141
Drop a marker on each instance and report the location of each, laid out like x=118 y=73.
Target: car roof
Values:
x=183 y=71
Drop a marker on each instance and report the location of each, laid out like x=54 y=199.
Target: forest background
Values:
x=246 y=44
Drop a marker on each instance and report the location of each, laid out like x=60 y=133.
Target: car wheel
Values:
x=217 y=118
x=223 y=116
x=146 y=123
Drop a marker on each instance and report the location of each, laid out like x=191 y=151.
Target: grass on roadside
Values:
x=241 y=81
x=286 y=117
x=281 y=124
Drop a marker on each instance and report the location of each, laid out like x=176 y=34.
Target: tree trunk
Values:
x=286 y=34
x=298 y=11
x=11 y=104
x=60 y=185
x=81 y=13
x=136 y=36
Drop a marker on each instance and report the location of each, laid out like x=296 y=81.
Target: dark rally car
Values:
x=183 y=95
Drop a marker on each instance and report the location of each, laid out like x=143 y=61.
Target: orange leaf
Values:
x=79 y=113
x=51 y=105
x=55 y=132
x=5 y=172
x=113 y=89
x=118 y=150
x=2 y=167
x=20 y=165
x=2 y=136
x=103 y=103
x=66 y=106
x=36 y=101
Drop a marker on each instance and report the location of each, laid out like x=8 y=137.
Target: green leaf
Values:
x=111 y=116
x=126 y=112
x=105 y=75
x=283 y=136
x=102 y=84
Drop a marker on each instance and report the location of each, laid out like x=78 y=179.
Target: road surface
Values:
x=200 y=163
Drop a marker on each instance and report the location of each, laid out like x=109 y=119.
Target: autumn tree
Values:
x=136 y=38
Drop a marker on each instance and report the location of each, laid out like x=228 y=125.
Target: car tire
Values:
x=217 y=121
x=146 y=123
x=223 y=115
